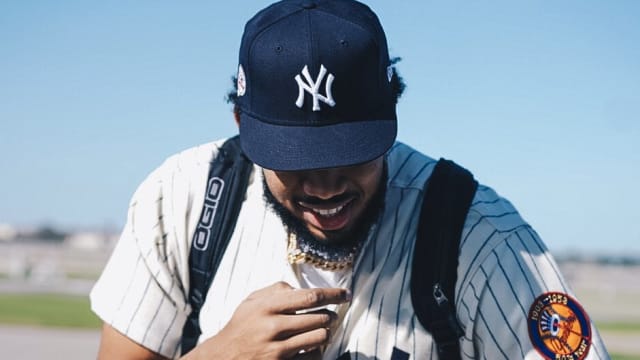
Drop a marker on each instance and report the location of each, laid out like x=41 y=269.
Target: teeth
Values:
x=328 y=212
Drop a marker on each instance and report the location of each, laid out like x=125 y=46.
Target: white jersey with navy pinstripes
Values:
x=503 y=268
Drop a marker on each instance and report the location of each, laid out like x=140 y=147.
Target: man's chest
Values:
x=379 y=323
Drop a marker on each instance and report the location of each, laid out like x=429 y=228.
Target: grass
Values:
x=624 y=357
x=47 y=310
x=85 y=275
x=622 y=327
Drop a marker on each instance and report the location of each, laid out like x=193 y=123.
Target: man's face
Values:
x=328 y=202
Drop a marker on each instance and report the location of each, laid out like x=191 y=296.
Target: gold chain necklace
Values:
x=297 y=256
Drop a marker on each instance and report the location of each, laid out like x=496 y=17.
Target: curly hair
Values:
x=397 y=84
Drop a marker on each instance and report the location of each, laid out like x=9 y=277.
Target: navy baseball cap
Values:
x=314 y=86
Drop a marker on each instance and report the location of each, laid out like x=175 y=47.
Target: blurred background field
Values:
x=45 y=279
x=50 y=310
x=45 y=311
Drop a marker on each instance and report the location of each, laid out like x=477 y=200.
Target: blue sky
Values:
x=541 y=100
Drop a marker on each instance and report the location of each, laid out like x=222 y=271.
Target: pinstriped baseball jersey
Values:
x=504 y=268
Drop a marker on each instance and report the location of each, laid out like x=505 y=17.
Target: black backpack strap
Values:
x=447 y=197
x=226 y=188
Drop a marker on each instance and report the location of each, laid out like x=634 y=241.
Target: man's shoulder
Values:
x=496 y=212
x=181 y=173
x=408 y=167
x=492 y=222
x=491 y=218
x=193 y=158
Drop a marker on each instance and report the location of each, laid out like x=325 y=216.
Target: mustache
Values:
x=312 y=200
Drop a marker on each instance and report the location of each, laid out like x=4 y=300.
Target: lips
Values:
x=328 y=217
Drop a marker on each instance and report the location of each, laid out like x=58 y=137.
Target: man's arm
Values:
x=140 y=293
x=271 y=323
x=114 y=345
x=504 y=300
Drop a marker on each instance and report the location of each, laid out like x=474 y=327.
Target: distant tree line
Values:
x=43 y=233
x=625 y=260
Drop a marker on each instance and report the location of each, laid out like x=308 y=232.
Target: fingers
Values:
x=284 y=299
x=278 y=287
x=296 y=324
x=279 y=319
x=307 y=342
x=304 y=299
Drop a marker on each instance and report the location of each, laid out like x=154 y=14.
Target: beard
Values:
x=336 y=241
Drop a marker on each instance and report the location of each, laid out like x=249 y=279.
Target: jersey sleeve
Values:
x=517 y=305
x=143 y=289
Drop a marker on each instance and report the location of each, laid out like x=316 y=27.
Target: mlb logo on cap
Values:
x=314 y=86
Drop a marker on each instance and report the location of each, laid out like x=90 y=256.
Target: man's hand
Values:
x=271 y=323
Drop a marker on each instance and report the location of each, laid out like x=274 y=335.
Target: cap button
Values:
x=308 y=4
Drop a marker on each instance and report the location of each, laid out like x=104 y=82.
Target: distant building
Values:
x=90 y=240
x=86 y=240
x=7 y=232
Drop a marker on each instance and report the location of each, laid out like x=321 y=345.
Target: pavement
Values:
x=621 y=343
x=33 y=343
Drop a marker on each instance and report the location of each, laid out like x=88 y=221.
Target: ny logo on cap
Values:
x=312 y=87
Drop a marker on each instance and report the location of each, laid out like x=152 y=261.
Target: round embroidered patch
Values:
x=242 y=81
x=559 y=328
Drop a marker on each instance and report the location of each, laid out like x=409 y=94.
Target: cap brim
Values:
x=290 y=148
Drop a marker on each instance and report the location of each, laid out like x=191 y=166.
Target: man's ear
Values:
x=236 y=115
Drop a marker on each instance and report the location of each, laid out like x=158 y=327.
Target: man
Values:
x=319 y=261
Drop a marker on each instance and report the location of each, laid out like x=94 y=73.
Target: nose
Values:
x=324 y=184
